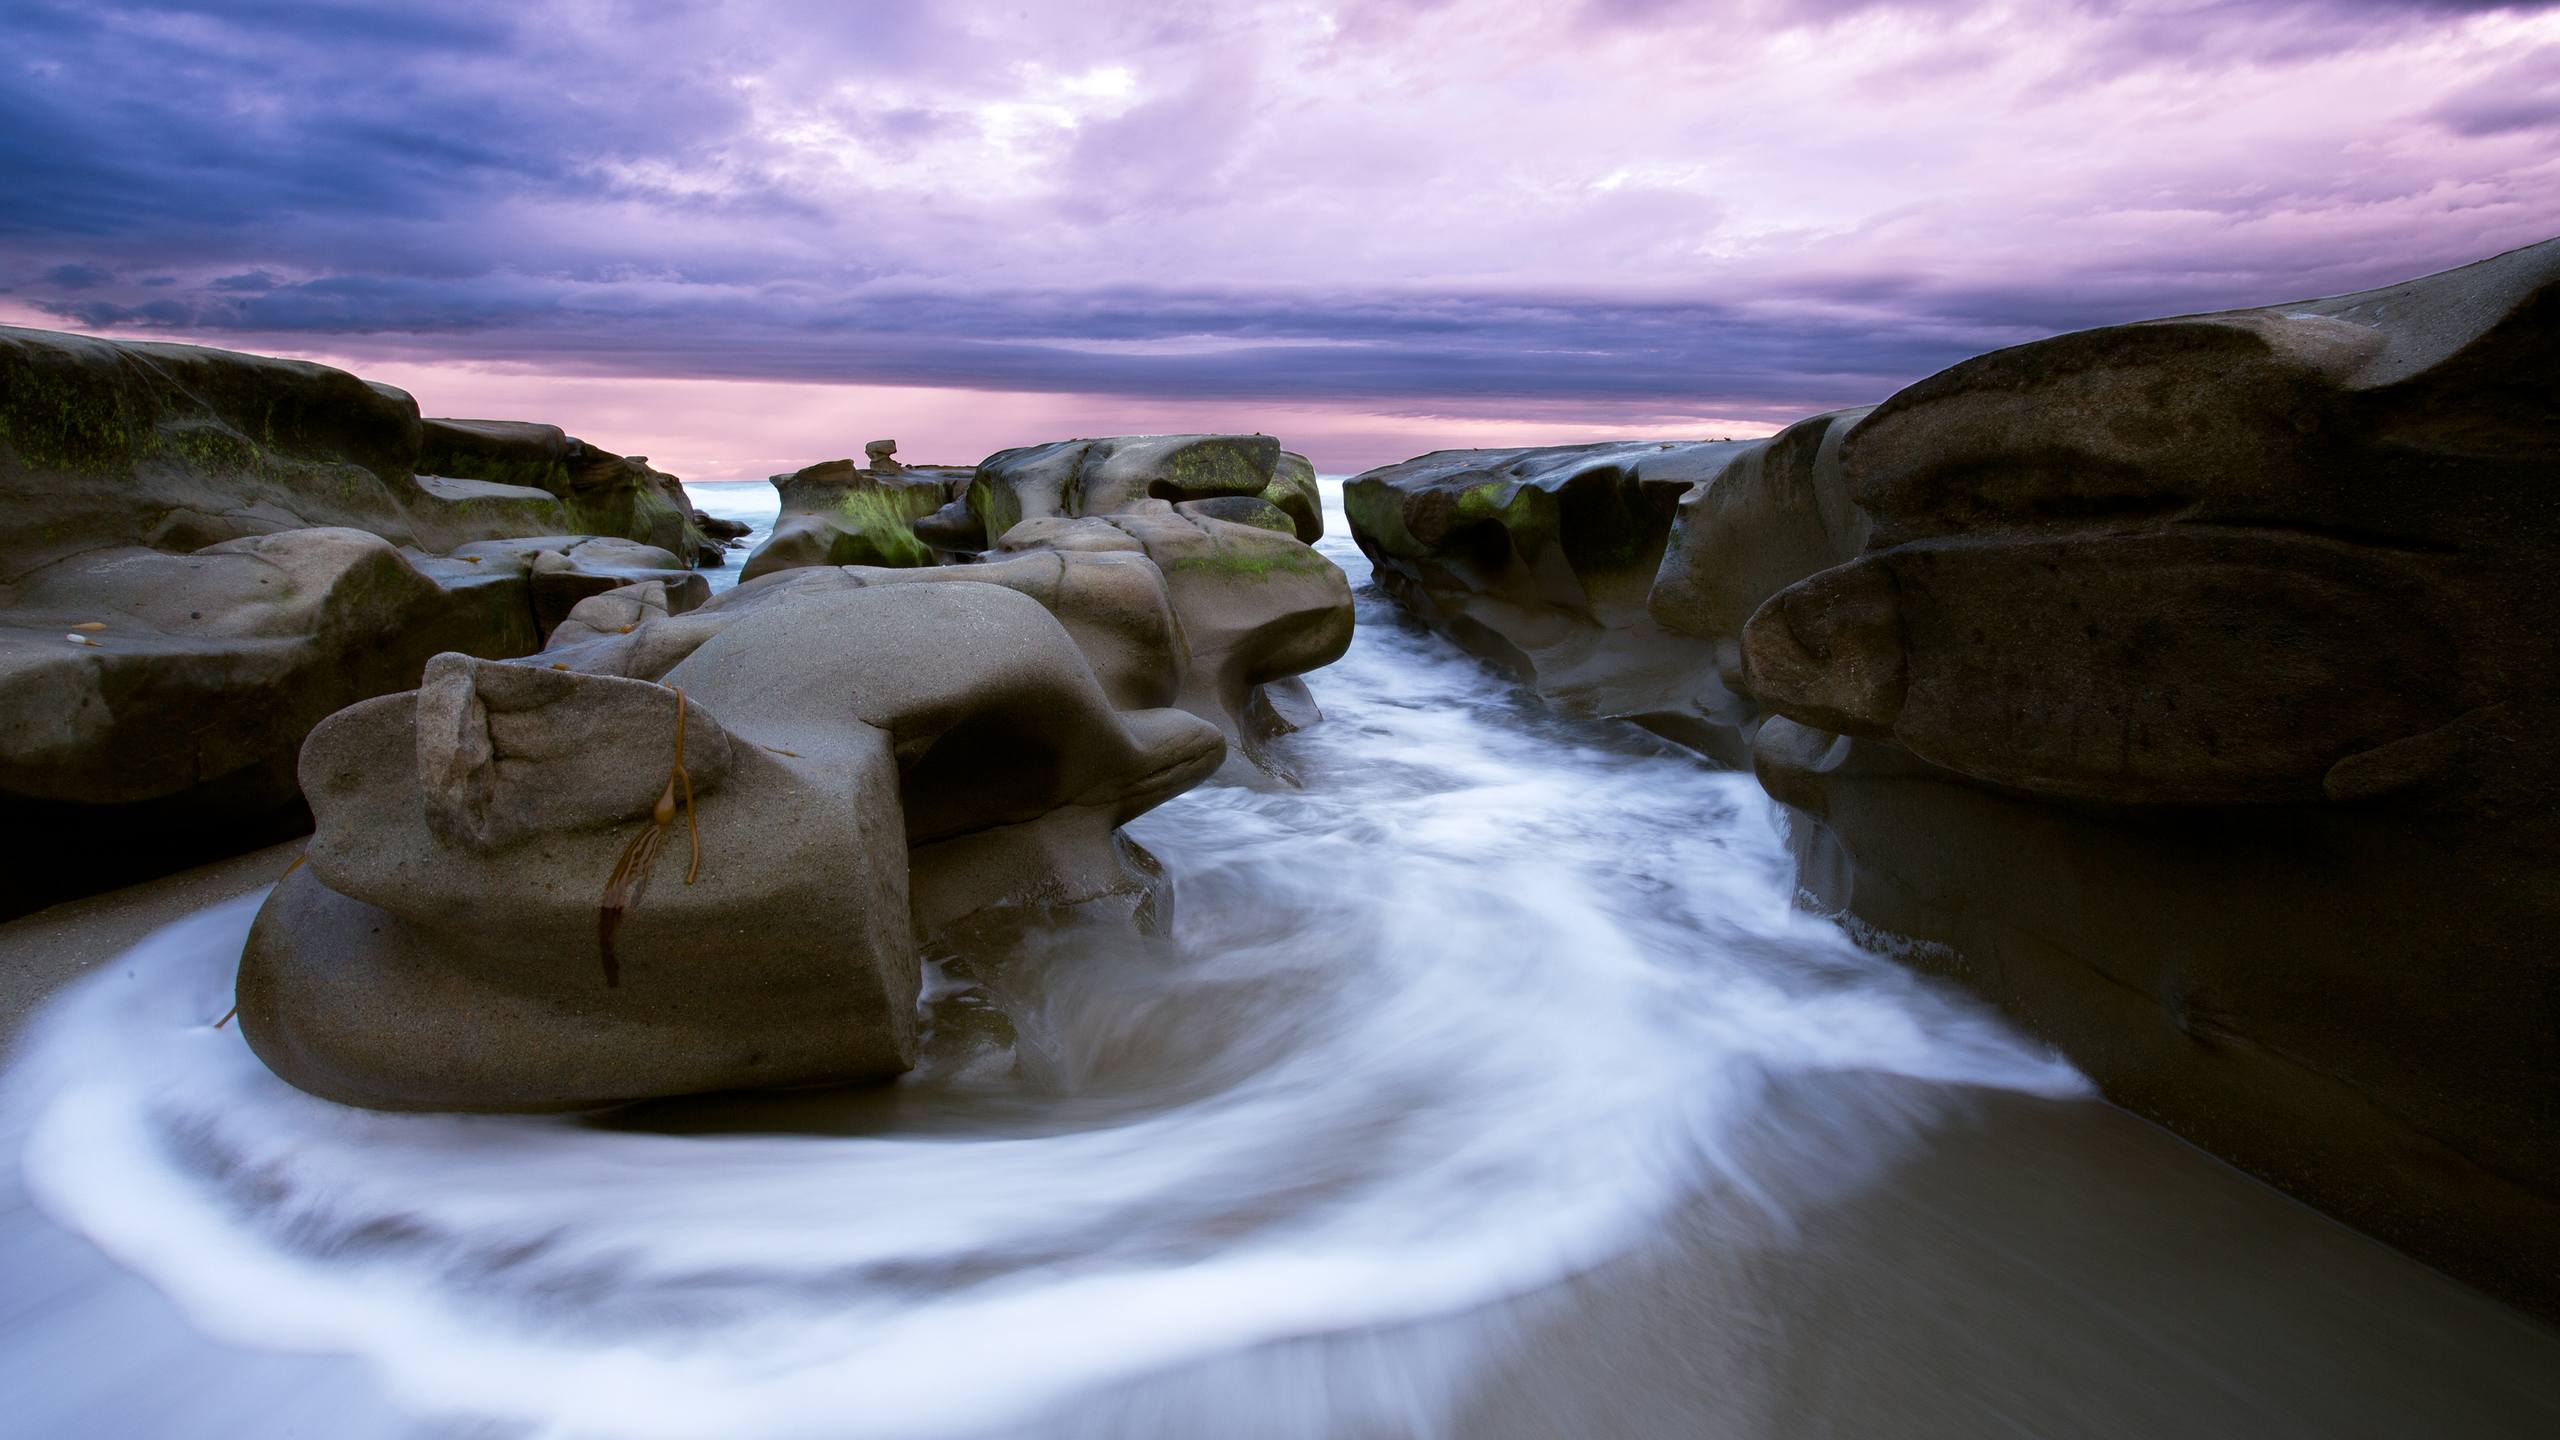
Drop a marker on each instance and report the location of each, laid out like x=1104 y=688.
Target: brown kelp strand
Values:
x=630 y=878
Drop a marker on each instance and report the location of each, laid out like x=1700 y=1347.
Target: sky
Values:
x=745 y=235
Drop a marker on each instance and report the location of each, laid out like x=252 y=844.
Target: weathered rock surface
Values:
x=2183 y=687
x=2196 y=687
x=934 y=746
x=1211 y=533
x=874 y=759
x=1072 y=478
x=212 y=550
x=1613 y=578
x=598 y=492
x=836 y=513
x=1255 y=610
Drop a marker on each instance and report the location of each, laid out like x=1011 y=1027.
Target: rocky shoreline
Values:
x=2181 y=687
x=2178 y=687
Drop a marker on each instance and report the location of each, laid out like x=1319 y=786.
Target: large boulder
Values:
x=2191 y=699
x=861 y=769
x=175 y=447
x=211 y=551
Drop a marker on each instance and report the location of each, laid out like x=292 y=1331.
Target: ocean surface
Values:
x=1488 y=1084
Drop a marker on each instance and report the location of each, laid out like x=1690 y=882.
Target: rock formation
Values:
x=834 y=513
x=2183 y=687
x=882 y=743
x=870 y=760
x=1071 y=478
x=1220 y=524
x=211 y=551
x=2193 y=700
x=1613 y=578
x=596 y=492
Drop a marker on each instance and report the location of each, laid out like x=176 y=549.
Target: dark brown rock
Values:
x=1614 y=578
x=2200 y=678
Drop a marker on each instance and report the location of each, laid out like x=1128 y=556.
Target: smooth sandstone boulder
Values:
x=214 y=663
x=869 y=766
x=2192 y=700
x=1015 y=767
x=1209 y=534
x=1256 y=609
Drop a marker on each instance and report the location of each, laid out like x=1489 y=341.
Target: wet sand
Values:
x=41 y=952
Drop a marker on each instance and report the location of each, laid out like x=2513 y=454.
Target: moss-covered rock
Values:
x=838 y=513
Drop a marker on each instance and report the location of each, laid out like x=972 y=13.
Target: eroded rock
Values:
x=1071 y=478
x=1207 y=531
x=870 y=766
x=212 y=550
x=1613 y=578
x=2191 y=700
x=835 y=513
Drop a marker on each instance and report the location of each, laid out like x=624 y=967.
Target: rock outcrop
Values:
x=836 y=513
x=2192 y=699
x=866 y=761
x=211 y=551
x=894 y=735
x=2182 y=687
x=1613 y=578
x=597 y=492
x=1254 y=610
x=1072 y=478
x=1222 y=524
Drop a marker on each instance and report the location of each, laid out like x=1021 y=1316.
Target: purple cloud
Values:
x=1751 y=210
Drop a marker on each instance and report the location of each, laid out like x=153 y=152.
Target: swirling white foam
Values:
x=1467 y=1014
